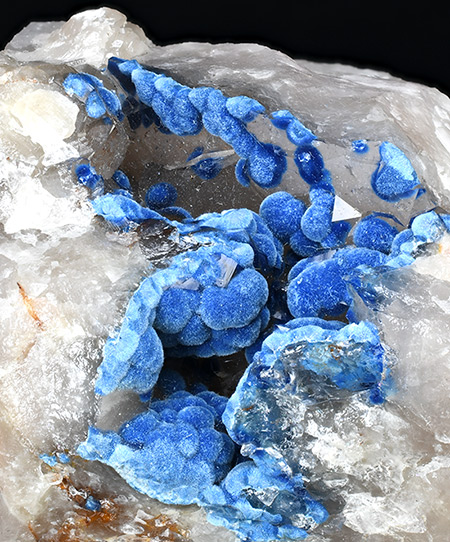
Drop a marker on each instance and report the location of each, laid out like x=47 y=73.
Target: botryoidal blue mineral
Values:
x=171 y=452
x=271 y=284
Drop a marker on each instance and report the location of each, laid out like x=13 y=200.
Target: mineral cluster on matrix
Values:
x=224 y=297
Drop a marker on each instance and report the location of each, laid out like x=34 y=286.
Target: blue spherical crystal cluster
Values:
x=307 y=231
x=209 y=301
x=278 y=286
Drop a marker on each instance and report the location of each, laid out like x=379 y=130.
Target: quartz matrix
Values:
x=224 y=296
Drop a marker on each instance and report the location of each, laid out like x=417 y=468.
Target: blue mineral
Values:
x=255 y=492
x=403 y=246
x=93 y=504
x=360 y=146
x=205 y=342
x=53 y=459
x=194 y=333
x=270 y=284
x=87 y=176
x=206 y=168
x=133 y=359
x=394 y=178
x=310 y=164
x=337 y=237
x=375 y=233
x=260 y=506
x=175 y=212
x=79 y=85
x=244 y=108
x=296 y=132
x=425 y=228
x=172 y=452
x=48 y=459
x=319 y=287
x=114 y=64
x=317 y=219
x=123 y=211
x=98 y=99
x=161 y=195
x=209 y=301
x=237 y=304
x=63 y=458
x=95 y=108
x=305 y=247
x=241 y=172
x=282 y=213
x=139 y=114
x=428 y=227
x=243 y=226
x=284 y=216
x=339 y=357
x=171 y=320
x=170 y=381
x=266 y=164
x=185 y=111
x=122 y=180
x=350 y=357
x=446 y=220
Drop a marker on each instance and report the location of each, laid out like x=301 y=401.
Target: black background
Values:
x=408 y=39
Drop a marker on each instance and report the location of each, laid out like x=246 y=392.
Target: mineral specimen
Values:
x=224 y=296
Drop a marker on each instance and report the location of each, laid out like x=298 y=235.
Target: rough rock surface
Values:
x=363 y=442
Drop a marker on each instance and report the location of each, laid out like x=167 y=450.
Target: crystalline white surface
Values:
x=383 y=471
x=416 y=325
x=100 y=34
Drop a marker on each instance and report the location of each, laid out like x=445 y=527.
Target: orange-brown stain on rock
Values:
x=89 y=526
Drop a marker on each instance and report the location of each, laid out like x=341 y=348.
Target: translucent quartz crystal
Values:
x=224 y=293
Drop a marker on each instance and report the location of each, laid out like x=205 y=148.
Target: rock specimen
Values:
x=224 y=295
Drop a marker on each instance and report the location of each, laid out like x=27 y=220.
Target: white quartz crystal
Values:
x=383 y=471
x=46 y=117
x=90 y=37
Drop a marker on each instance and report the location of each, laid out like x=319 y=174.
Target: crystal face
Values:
x=224 y=295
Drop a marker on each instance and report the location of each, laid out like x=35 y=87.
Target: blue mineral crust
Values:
x=209 y=301
x=296 y=132
x=259 y=505
x=317 y=221
x=122 y=211
x=279 y=285
x=319 y=287
x=88 y=177
x=425 y=229
x=349 y=356
x=185 y=111
x=172 y=452
x=394 y=178
x=282 y=213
